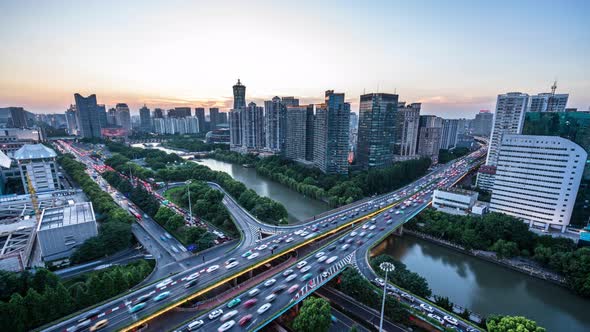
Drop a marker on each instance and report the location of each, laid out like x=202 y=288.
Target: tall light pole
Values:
x=190 y=207
x=387 y=267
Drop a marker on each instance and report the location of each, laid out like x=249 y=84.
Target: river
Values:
x=487 y=288
x=478 y=285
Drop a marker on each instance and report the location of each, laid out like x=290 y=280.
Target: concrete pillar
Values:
x=546 y=226
x=563 y=227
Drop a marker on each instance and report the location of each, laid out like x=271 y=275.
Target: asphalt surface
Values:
x=121 y=258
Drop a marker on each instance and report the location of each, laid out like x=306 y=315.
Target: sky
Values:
x=453 y=56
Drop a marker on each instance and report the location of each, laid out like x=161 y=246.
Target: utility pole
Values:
x=387 y=267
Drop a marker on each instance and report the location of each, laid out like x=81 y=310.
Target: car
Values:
x=137 y=307
x=353 y=234
x=234 y=302
x=270 y=297
x=254 y=255
x=99 y=325
x=287 y=273
x=379 y=281
x=408 y=297
x=245 y=320
x=277 y=240
x=331 y=248
x=270 y=282
x=304 y=234
x=161 y=296
x=372 y=227
x=80 y=326
x=291 y=277
x=228 y=315
x=250 y=303
x=140 y=299
x=247 y=253
x=253 y=292
x=363 y=233
x=344 y=247
x=193 y=276
x=341 y=240
x=212 y=268
x=226 y=326
x=325 y=274
x=262 y=247
x=426 y=307
x=451 y=320
x=381 y=228
x=436 y=317
x=306 y=276
x=305 y=269
x=365 y=226
x=93 y=313
x=349 y=241
x=370 y=235
x=215 y=313
x=359 y=242
x=229 y=261
x=293 y=288
x=273 y=247
x=191 y=283
x=195 y=324
x=319 y=254
x=321 y=259
x=301 y=264
x=331 y=259
x=231 y=265
x=297 y=232
x=279 y=289
x=263 y=308
x=164 y=283
x=289 y=240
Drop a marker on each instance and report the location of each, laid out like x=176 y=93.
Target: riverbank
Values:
x=517 y=264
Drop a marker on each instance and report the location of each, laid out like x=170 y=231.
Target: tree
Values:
x=512 y=323
x=314 y=316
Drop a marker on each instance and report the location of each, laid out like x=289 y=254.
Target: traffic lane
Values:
x=345 y=323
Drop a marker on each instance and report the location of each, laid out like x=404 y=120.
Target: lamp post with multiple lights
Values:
x=387 y=267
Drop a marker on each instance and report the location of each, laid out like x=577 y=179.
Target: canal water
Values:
x=487 y=288
x=478 y=285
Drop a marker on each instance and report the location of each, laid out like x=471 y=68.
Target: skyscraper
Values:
x=252 y=127
x=239 y=95
x=145 y=119
x=72 y=120
x=482 y=124
x=214 y=119
x=88 y=116
x=548 y=102
x=376 y=131
x=296 y=132
x=273 y=126
x=429 y=136
x=407 y=127
x=112 y=117
x=200 y=114
x=448 y=138
x=123 y=116
x=331 y=130
x=179 y=112
x=18 y=117
x=290 y=101
x=509 y=119
x=222 y=117
x=235 y=129
x=537 y=179
x=158 y=113
x=309 y=132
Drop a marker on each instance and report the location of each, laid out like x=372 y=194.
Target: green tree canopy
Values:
x=314 y=316
x=513 y=324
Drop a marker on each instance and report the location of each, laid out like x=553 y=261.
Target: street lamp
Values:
x=387 y=267
x=190 y=207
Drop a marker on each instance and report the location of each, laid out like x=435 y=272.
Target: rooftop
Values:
x=67 y=215
x=34 y=151
x=458 y=191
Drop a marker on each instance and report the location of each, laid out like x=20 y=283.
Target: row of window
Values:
x=527 y=189
x=519 y=201
x=518 y=212
x=505 y=169
x=499 y=189
x=509 y=180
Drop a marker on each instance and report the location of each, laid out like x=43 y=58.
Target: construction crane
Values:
x=33 y=194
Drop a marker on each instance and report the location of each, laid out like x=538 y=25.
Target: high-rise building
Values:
x=309 y=132
x=331 y=130
x=376 y=132
x=112 y=117
x=252 y=127
x=407 y=127
x=145 y=119
x=482 y=124
x=353 y=128
x=548 y=102
x=222 y=118
x=72 y=120
x=214 y=118
x=509 y=119
x=18 y=117
x=274 y=124
x=448 y=138
x=239 y=95
x=123 y=116
x=235 y=129
x=185 y=125
x=89 y=116
x=158 y=113
x=37 y=163
x=429 y=136
x=200 y=114
x=296 y=132
x=290 y=101
x=537 y=179
x=179 y=112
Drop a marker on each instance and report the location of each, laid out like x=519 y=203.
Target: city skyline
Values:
x=453 y=60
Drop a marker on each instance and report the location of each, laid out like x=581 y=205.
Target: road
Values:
x=118 y=310
x=120 y=258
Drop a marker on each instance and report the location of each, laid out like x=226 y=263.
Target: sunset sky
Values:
x=453 y=56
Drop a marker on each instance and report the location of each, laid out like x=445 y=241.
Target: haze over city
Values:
x=454 y=59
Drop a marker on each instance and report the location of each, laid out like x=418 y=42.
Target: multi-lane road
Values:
x=149 y=300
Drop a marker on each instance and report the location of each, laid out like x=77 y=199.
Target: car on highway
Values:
x=301 y=264
x=346 y=246
x=305 y=269
x=270 y=297
x=306 y=277
x=263 y=308
x=228 y=315
x=436 y=317
x=321 y=259
x=226 y=326
x=191 y=283
x=250 y=303
x=254 y=255
x=353 y=234
x=289 y=240
x=331 y=259
x=137 y=307
x=319 y=254
x=161 y=296
x=287 y=273
x=247 y=253
x=195 y=324
x=262 y=247
x=451 y=320
x=331 y=248
x=253 y=292
x=293 y=288
x=99 y=325
x=229 y=261
x=231 y=265
x=212 y=268
x=245 y=320
x=426 y=307
x=291 y=277
x=270 y=282
x=279 y=289
x=193 y=276
x=164 y=283
x=215 y=313
x=234 y=302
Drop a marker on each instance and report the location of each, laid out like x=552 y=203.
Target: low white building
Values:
x=537 y=179
x=454 y=201
x=63 y=229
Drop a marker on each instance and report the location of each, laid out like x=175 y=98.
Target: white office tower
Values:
x=508 y=119
x=537 y=179
x=37 y=163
